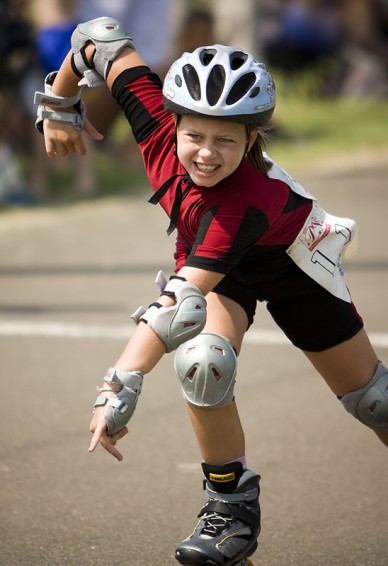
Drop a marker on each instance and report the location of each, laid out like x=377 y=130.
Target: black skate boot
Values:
x=229 y=524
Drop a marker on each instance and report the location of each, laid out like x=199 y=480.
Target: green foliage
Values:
x=310 y=128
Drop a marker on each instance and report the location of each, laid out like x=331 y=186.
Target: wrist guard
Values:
x=76 y=119
x=180 y=322
x=109 y=38
x=119 y=409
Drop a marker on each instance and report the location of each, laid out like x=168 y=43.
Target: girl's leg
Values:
x=230 y=520
x=348 y=367
x=218 y=431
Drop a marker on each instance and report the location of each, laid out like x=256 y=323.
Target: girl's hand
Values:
x=98 y=428
x=62 y=139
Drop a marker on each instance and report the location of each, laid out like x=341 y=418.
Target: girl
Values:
x=246 y=232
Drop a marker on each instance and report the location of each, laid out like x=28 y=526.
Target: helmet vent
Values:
x=207 y=56
x=241 y=88
x=237 y=59
x=178 y=80
x=215 y=84
x=254 y=92
x=192 y=80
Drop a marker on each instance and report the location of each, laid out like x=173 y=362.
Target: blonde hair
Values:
x=255 y=154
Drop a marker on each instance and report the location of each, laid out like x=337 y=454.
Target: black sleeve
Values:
x=141 y=103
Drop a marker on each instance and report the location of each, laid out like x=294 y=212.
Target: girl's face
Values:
x=209 y=149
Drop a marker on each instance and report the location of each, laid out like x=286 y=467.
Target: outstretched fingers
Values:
x=109 y=443
x=97 y=433
x=92 y=132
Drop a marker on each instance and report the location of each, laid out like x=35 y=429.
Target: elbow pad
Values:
x=109 y=38
x=180 y=322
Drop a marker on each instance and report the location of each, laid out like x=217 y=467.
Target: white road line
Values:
x=123 y=332
x=64 y=330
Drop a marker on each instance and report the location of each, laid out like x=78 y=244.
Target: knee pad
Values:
x=370 y=403
x=206 y=368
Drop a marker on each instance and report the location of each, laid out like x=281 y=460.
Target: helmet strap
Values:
x=177 y=122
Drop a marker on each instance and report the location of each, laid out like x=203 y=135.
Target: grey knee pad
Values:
x=370 y=404
x=206 y=368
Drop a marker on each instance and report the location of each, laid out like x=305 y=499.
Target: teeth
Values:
x=206 y=168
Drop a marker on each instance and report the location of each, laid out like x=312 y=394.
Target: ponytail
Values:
x=255 y=154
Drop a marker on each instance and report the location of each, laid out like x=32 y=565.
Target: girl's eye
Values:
x=225 y=140
x=194 y=136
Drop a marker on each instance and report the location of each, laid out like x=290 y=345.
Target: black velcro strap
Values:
x=234 y=510
x=88 y=64
x=74 y=68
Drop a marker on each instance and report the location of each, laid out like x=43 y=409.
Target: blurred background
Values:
x=329 y=59
x=79 y=250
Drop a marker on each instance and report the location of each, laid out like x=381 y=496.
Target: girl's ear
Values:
x=252 y=138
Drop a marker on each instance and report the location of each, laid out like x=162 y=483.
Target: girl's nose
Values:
x=207 y=151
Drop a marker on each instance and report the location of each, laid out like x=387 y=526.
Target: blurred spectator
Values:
x=293 y=35
x=382 y=17
x=203 y=22
x=362 y=59
x=196 y=29
x=15 y=58
x=301 y=32
x=54 y=23
x=149 y=22
x=235 y=23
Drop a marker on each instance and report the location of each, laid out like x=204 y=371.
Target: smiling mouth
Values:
x=206 y=168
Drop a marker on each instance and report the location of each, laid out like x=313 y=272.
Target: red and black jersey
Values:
x=235 y=227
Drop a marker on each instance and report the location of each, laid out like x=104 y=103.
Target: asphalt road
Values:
x=69 y=280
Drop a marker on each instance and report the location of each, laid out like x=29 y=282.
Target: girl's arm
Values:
x=145 y=348
x=143 y=352
x=62 y=139
x=66 y=82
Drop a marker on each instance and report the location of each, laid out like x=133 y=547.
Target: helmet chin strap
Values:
x=178 y=118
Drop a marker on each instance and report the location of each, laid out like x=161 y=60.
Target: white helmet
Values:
x=221 y=82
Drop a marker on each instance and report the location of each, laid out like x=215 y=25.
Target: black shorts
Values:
x=312 y=318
